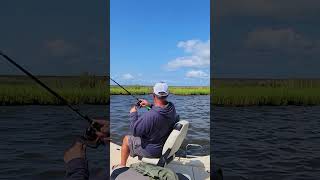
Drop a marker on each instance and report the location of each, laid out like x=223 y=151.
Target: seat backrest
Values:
x=171 y=145
x=175 y=138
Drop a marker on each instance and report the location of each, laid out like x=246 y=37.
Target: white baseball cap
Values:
x=161 y=89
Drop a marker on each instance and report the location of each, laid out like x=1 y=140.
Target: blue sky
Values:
x=160 y=41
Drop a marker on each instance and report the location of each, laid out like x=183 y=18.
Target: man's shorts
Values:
x=136 y=148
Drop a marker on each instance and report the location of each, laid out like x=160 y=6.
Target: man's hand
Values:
x=144 y=103
x=104 y=133
x=77 y=150
x=133 y=109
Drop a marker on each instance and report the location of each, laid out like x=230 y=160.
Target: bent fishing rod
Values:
x=93 y=125
x=139 y=101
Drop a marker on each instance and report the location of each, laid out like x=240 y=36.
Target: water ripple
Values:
x=194 y=109
x=267 y=142
x=33 y=139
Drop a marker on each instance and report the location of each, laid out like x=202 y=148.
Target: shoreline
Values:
x=222 y=97
x=93 y=90
x=176 y=90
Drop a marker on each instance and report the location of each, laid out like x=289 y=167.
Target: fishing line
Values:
x=139 y=101
x=125 y=89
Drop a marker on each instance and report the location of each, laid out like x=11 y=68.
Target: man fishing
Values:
x=150 y=130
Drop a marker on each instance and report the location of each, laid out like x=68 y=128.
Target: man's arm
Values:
x=74 y=157
x=133 y=116
x=77 y=169
x=76 y=165
x=139 y=126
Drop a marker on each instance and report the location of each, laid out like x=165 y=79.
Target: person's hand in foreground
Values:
x=75 y=156
x=104 y=133
x=133 y=109
x=77 y=150
x=75 y=162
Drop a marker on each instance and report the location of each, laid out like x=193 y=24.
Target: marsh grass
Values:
x=18 y=90
x=177 y=90
x=86 y=89
x=235 y=92
x=252 y=96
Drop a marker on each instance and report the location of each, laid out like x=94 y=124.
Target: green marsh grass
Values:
x=177 y=90
x=19 y=90
x=87 y=89
x=233 y=92
x=252 y=96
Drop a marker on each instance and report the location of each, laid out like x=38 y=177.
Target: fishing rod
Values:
x=139 y=101
x=125 y=90
x=90 y=132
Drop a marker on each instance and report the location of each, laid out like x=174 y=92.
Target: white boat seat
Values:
x=171 y=145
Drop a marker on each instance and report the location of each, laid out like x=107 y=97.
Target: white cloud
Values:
x=127 y=76
x=199 y=55
x=196 y=74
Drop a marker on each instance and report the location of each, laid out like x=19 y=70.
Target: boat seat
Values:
x=171 y=145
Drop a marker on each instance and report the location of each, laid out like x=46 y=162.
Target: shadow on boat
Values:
x=194 y=165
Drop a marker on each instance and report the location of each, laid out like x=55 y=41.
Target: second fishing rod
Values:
x=139 y=101
x=90 y=134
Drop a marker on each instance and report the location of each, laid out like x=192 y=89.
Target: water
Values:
x=194 y=109
x=33 y=140
x=267 y=142
x=247 y=142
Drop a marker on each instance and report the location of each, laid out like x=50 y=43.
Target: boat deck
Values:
x=197 y=168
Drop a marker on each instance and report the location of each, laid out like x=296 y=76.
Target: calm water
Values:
x=267 y=142
x=194 y=109
x=247 y=142
x=33 y=140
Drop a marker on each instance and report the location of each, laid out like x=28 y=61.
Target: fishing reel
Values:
x=138 y=104
x=90 y=137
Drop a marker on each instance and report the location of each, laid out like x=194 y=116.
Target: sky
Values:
x=54 y=37
x=163 y=40
x=152 y=41
x=266 y=39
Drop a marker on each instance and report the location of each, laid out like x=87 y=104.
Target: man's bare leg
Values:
x=125 y=151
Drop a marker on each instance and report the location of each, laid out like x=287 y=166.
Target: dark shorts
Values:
x=136 y=148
